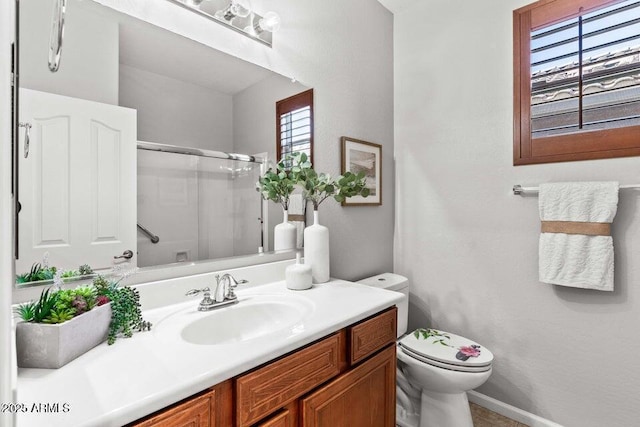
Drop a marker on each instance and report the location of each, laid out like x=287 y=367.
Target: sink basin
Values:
x=251 y=318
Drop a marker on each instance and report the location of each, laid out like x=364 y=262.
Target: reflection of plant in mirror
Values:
x=278 y=185
x=38 y=272
x=44 y=272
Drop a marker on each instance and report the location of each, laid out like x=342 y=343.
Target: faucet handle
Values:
x=193 y=292
x=233 y=283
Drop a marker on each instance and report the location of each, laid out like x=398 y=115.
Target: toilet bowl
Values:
x=435 y=369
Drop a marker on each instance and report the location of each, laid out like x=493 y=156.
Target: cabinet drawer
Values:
x=369 y=336
x=273 y=386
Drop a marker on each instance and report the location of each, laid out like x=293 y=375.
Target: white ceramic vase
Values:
x=284 y=235
x=298 y=275
x=316 y=250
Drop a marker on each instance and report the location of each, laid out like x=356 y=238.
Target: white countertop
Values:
x=118 y=384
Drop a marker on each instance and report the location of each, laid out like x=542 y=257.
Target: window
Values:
x=576 y=80
x=294 y=125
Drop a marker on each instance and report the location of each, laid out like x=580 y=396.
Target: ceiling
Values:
x=396 y=6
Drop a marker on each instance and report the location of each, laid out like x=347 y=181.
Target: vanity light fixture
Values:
x=239 y=16
x=269 y=22
x=236 y=8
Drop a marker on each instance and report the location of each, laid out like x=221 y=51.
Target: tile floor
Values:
x=485 y=418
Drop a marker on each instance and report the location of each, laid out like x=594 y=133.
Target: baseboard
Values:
x=509 y=411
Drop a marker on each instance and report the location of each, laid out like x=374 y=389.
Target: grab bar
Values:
x=57 y=33
x=154 y=239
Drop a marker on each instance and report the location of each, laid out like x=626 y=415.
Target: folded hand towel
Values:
x=297 y=210
x=581 y=261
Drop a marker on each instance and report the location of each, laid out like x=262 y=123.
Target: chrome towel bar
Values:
x=520 y=190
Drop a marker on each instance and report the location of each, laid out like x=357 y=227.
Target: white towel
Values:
x=572 y=259
x=296 y=207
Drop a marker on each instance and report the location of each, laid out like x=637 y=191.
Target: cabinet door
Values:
x=362 y=397
x=78 y=182
x=192 y=413
x=211 y=409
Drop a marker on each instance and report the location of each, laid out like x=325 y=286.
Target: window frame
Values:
x=287 y=105
x=582 y=145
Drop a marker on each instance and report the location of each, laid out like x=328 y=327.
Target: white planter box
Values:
x=40 y=345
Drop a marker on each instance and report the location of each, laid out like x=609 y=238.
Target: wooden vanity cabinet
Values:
x=347 y=379
x=363 y=397
x=211 y=408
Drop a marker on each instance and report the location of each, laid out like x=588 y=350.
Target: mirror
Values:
x=127 y=146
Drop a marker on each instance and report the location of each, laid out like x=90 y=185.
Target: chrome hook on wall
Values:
x=57 y=33
x=27 y=137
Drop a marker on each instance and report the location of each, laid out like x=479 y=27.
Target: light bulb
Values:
x=241 y=8
x=270 y=22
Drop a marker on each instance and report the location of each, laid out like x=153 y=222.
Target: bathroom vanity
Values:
x=346 y=378
x=277 y=358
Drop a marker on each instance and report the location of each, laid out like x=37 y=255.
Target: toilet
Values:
x=435 y=368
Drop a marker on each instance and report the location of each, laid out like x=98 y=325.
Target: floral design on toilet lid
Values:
x=447 y=348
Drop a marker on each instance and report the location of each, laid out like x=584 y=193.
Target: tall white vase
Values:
x=285 y=235
x=316 y=250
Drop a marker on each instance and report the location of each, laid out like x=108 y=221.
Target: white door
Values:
x=78 y=183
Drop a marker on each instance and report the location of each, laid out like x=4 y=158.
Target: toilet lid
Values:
x=446 y=350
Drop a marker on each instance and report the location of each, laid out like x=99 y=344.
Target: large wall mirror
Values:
x=124 y=151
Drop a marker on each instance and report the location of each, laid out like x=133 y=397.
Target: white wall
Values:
x=8 y=367
x=254 y=126
x=175 y=112
x=344 y=50
x=470 y=246
x=89 y=61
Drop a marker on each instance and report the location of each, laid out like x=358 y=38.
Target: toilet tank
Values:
x=397 y=283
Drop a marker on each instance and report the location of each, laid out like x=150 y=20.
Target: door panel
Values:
x=78 y=184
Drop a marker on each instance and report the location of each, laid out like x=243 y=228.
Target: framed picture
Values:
x=362 y=156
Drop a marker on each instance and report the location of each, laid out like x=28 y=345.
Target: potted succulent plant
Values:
x=65 y=323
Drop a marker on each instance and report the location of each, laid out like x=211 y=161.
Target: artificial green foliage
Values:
x=61 y=305
x=26 y=311
x=37 y=273
x=319 y=187
x=59 y=315
x=85 y=270
x=44 y=306
x=78 y=300
x=126 y=316
x=349 y=185
x=278 y=185
x=104 y=286
x=296 y=170
x=125 y=313
x=69 y=273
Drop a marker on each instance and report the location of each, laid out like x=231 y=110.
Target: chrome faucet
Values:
x=223 y=294
x=225 y=285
